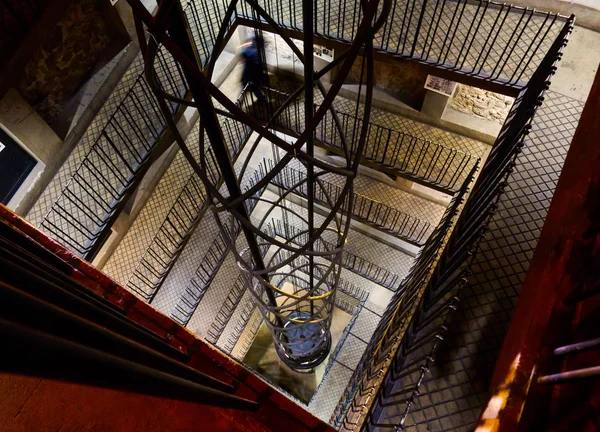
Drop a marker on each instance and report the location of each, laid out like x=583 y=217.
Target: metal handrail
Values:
x=394 y=321
x=206 y=270
x=359 y=265
x=402 y=225
x=423 y=160
x=476 y=38
x=247 y=312
x=82 y=214
x=183 y=217
x=400 y=354
x=87 y=205
x=226 y=310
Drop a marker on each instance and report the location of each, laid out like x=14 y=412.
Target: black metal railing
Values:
x=226 y=310
x=495 y=42
x=338 y=348
x=83 y=213
x=244 y=319
x=183 y=217
x=379 y=349
x=346 y=303
x=404 y=345
x=208 y=267
x=246 y=342
x=433 y=164
x=374 y=213
x=204 y=19
x=231 y=302
x=88 y=204
x=168 y=242
x=350 y=261
x=203 y=276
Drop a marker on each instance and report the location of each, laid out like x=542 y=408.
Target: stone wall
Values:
x=481 y=103
x=403 y=80
x=63 y=59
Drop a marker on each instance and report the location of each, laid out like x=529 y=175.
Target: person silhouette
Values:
x=252 y=74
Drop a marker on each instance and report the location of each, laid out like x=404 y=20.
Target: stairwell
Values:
x=407 y=300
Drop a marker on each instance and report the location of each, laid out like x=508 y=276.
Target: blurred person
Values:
x=252 y=74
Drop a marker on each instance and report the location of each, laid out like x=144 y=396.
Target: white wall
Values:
x=30 y=131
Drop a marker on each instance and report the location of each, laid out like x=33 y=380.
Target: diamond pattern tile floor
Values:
x=128 y=254
x=456 y=388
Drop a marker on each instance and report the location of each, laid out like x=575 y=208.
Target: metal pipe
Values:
x=307 y=21
x=564 y=377
x=577 y=347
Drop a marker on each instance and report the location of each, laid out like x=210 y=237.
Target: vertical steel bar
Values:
x=307 y=18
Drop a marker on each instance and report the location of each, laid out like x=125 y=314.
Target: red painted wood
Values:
x=276 y=413
x=30 y=404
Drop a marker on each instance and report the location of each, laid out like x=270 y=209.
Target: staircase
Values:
x=379 y=373
x=104 y=337
x=500 y=34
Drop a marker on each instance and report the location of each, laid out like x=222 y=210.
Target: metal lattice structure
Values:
x=387 y=383
x=292 y=269
x=293 y=280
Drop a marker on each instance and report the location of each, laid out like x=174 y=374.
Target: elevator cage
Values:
x=293 y=281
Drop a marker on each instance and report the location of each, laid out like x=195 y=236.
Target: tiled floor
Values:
x=128 y=254
x=97 y=175
x=342 y=367
x=406 y=147
x=393 y=197
x=455 y=390
x=186 y=265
